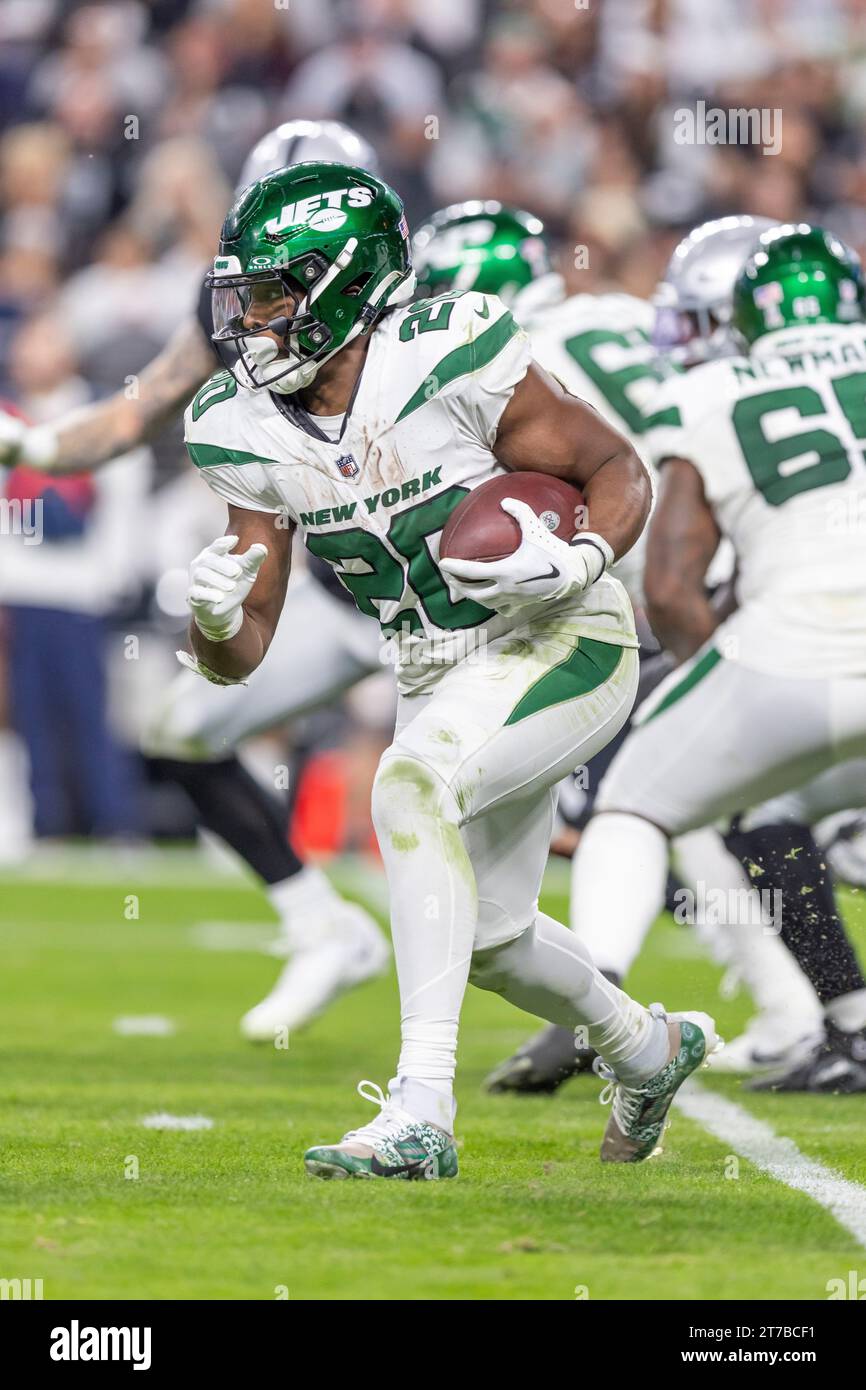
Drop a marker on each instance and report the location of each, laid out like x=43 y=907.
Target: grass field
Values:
x=228 y=1213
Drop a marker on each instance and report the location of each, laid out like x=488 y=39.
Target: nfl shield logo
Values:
x=347 y=466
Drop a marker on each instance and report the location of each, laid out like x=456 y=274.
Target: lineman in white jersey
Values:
x=510 y=671
x=323 y=646
x=600 y=347
x=769 y=453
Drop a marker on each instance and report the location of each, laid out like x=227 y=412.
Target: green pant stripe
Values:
x=696 y=674
x=589 y=666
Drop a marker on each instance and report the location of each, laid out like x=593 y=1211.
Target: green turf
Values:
x=228 y=1213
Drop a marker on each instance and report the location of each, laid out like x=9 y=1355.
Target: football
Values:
x=478 y=528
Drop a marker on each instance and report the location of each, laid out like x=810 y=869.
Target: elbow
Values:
x=638 y=495
x=645 y=491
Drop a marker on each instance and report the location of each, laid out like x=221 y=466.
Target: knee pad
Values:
x=404 y=788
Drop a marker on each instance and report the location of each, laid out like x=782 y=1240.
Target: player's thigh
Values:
x=513 y=721
x=320 y=649
x=715 y=738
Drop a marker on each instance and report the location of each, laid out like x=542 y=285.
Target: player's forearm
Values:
x=681 y=620
x=618 y=498
x=95 y=434
x=237 y=657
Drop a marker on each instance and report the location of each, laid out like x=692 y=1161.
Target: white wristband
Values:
x=601 y=547
x=220 y=629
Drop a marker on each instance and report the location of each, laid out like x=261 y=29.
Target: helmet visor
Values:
x=263 y=329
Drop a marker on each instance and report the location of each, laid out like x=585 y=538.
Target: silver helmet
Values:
x=693 y=301
x=293 y=142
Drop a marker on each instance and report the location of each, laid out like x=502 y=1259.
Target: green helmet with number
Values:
x=797 y=274
x=480 y=246
x=309 y=257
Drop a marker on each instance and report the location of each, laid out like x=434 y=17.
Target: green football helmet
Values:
x=479 y=246
x=309 y=257
x=798 y=274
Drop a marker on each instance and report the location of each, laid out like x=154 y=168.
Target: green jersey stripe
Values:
x=471 y=357
x=211 y=455
x=589 y=666
x=699 y=670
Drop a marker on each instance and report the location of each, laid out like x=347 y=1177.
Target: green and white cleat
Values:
x=394 y=1145
x=638 y=1116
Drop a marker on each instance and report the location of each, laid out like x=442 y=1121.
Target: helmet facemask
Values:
x=265 y=328
x=690 y=332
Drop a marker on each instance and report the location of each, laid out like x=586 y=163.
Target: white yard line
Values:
x=163 y=1120
x=144 y=1026
x=772 y=1153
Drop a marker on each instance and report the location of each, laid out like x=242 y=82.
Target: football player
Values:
x=510 y=672
x=599 y=346
x=323 y=647
x=768 y=453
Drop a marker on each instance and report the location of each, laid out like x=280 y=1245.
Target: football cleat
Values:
x=394 y=1145
x=639 y=1113
x=541 y=1065
x=835 y=1066
x=352 y=949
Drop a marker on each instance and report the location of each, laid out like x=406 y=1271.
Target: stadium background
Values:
x=124 y=128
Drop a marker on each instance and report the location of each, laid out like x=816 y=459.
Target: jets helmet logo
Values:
x=321 y=211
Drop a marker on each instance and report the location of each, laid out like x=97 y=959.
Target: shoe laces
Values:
x=390 y=1118
x=626 y=1100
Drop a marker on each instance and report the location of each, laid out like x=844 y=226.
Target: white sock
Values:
x=618 y=879
x=304 y=904
x=434 y=908
x=432 y=1101
x=848 y=1011
x=548 y=972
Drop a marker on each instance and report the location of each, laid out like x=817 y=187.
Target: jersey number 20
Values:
x=387 y=577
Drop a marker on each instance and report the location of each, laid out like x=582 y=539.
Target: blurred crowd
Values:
x=125 y=125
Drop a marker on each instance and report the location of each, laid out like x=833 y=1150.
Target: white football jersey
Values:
x=779 y=440
x=420 y=433
x=598 y=346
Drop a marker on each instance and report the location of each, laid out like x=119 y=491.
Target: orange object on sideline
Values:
x=318 y=827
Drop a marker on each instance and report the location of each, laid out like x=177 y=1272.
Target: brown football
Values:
x=478 y=528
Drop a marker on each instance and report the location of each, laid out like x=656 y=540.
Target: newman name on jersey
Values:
x=778 y=439
x=373 y=498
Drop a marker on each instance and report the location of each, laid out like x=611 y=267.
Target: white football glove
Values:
x=219 y=584
x=19 y=443
x=542 y=566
